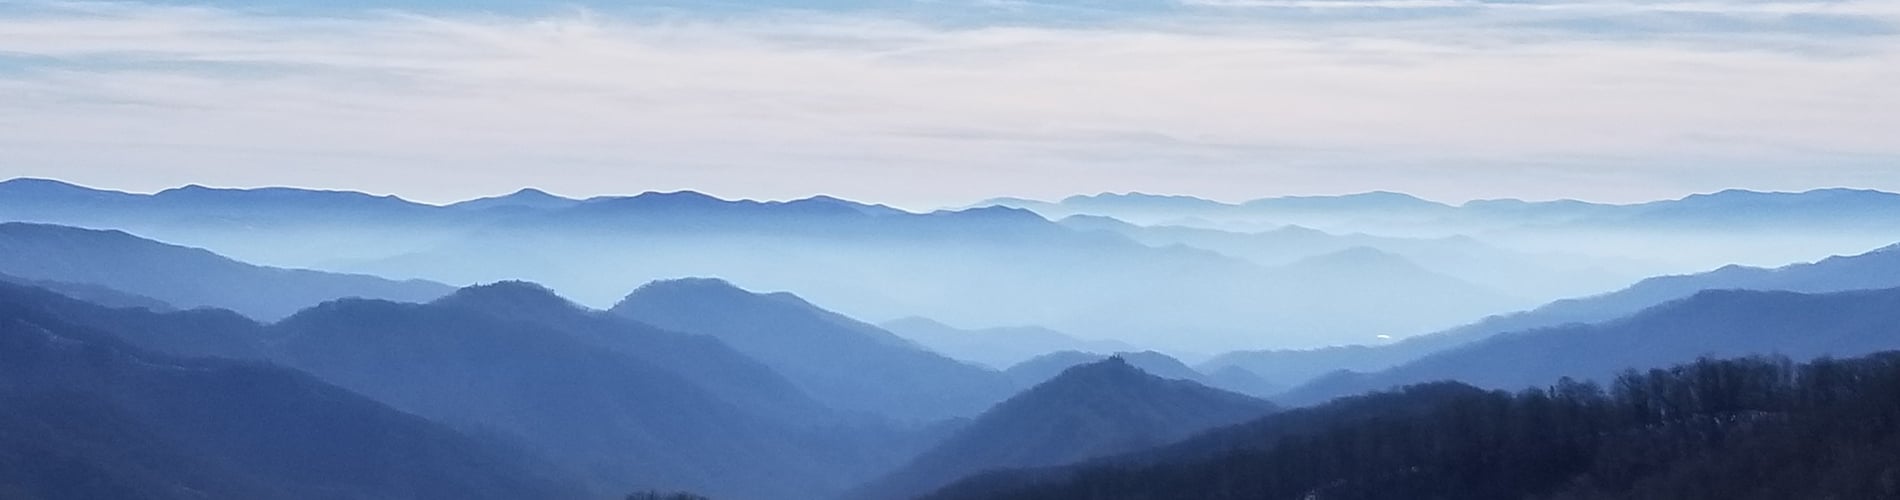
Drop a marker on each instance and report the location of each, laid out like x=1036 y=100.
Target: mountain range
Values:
x=1715 y=323
x=1877 y=269
x=1660 y=237
x=1714 y=428
x=89 y=416
x=988 y=266
x=1729 y=207
x=585 y=366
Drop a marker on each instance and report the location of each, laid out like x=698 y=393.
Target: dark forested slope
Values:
x=1751 y=428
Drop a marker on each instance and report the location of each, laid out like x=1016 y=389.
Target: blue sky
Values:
x=942 y=102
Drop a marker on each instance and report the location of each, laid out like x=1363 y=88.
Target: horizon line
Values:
x=980 y=203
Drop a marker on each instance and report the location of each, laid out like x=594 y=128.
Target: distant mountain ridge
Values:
x=181 y=276
x=1877 y=269
x=1717 y=323
x=845 y=363
x=1758 y=201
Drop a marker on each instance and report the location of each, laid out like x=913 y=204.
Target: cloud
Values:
x=1536 y=99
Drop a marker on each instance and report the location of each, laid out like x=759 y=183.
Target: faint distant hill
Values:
x=181 y=276
x=1714 y=323
x=1543 y=276
x=1093 y=410
x=1872 y=270
x=88 y=416
x=250 y=224
x=994 y=347
x=1834 y=207
x=525 y=199
x=844 y=363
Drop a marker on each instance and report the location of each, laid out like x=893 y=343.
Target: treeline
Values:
x=1752 y=428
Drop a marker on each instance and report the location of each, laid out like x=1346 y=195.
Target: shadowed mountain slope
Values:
x=88 y=416
x=1872 y=270
x=844 y=363
x=1721 y=323
x=1093 y=410
x=184 y=277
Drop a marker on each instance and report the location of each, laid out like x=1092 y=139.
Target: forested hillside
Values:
x=1743 y=428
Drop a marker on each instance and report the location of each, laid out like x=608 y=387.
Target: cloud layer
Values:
x=1225 y=98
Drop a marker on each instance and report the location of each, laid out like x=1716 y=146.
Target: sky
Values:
x=941 y=102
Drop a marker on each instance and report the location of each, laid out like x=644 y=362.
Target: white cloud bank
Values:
x=1607 y=100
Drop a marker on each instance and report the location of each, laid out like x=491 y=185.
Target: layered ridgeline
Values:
x=180 y=276
x=627 y=423
x=615 y=404
x=88 y=416
x=994 y=347
x=1399 y=213
x=1098 y=409
x=1877 y=269
x=97 y=294
x=1711 y=323
x=1539 y=276
x=992 y=266
x=1744 y=428
x=845 y=363
x=1667 y=236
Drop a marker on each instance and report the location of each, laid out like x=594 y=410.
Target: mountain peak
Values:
x=522 y=198
x=1092 y=410
x=39 y=188
x=697 y=293
x=507 y=295
x=690 y=285
x=1140 y=200
x=40 y=184
x=1114 y=369
x=993 y=213
x=532 y=194
x=1379 y=200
